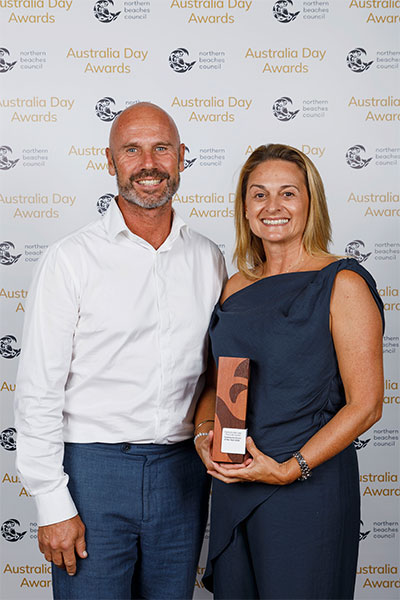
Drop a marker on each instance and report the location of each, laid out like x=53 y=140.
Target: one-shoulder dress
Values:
x=301 y=540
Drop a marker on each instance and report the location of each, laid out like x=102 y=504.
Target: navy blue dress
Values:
x=301 y=540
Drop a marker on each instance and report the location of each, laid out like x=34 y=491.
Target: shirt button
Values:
x=126 y=447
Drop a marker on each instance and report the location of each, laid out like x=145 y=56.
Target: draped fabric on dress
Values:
x=282 y=324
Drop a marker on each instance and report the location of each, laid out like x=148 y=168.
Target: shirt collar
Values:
x=114 y=225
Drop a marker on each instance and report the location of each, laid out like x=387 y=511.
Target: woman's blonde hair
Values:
x=249 y=250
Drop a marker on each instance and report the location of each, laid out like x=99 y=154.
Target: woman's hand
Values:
x=203 y=446
x=259 y=467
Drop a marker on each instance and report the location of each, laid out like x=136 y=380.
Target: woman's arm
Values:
x=205 y=413
x=356 y=328
x=205 y=410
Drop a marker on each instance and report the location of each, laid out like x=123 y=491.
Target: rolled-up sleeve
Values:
x=51 y=316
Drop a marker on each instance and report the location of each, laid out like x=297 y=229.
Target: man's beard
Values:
x=148 y=200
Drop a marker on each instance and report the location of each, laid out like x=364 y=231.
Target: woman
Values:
x=312 y=328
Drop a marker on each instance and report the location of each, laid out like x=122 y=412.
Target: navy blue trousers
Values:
x=145 y=509
x=300 y=544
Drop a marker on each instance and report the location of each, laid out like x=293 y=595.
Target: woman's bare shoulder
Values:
x=352 y=299
x=350 y=284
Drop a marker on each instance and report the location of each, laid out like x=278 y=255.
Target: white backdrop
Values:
x=320 y=75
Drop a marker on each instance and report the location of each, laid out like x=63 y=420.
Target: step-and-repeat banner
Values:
x=320 y=75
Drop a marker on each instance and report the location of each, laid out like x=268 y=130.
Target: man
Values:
x=114 y=353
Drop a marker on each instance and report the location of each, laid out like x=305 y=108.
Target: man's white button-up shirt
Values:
x=114 y=347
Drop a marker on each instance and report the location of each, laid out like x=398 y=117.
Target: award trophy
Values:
x=229 y=443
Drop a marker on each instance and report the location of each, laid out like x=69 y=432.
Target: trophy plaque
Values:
x=229 y=444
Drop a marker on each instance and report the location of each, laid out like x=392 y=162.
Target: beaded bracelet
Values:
x=202 y=423
x=304 y=468
x=198 y=435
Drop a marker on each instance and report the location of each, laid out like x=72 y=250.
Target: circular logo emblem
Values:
x=355 y=249
x=6 y=258
x=4 y=64
x=6 y=349
x=177 y=60
x=355 y=60
x=360 y=444
x=104 y=109
x=282 y=11
x=281 y=109
x=104 y=202
x=363 y=534
x=354 y=157
x=5 y=162
x=187 y=163
x=8 y=530
x=8 y=439
x=103 y=13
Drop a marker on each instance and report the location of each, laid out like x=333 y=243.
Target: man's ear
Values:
x=110 y=162
x=182 y=157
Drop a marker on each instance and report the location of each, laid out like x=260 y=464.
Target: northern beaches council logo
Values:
x=355 y=249
x=363 y=534
x=5 y=161
x=6 y=347
x=104 y=202
x=5 y=64
x=282 y=11
x=281 y=109
x=103 y=13
x=356 y=60
x=355 y=159
x=188 y=162
x=6 y=258
x=178 y=60
x=8 y=439
x=360 y=444
x=104 y=109
x=9 y=530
